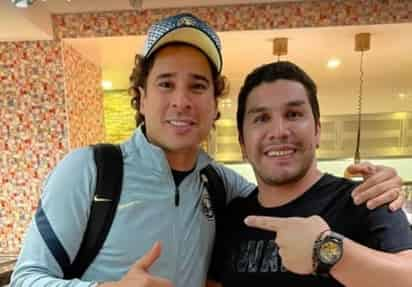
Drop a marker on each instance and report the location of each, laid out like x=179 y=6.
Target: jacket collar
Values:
x=154 y=157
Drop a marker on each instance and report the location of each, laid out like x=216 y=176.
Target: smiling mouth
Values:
x=280 y=153
x=179 y=124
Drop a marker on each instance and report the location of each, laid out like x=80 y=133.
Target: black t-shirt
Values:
x=250 y=257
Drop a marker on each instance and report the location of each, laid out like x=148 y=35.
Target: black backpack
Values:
x=109 y=165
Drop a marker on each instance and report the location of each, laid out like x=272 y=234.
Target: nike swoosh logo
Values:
x=101 y=199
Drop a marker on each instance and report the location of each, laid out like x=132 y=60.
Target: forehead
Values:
x=181 y=58
x=276 y=94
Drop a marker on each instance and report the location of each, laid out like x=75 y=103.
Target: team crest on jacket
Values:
x=207 y=206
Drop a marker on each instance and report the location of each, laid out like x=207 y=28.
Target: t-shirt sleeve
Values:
x=388 y=231
x=235 y=184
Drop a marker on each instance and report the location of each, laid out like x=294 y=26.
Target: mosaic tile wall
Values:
x=84 y=97
x=241 y=17
x=33 y=135
x=35 y=123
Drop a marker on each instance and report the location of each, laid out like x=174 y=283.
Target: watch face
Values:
x=330 y=252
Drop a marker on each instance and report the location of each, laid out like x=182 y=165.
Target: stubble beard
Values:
x=284 y=177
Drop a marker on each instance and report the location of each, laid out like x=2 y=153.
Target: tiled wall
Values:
x=33 y=130
x=241 y=17
x=50 y=102
x=33 y=134
x=84 y=97
x=119 y=116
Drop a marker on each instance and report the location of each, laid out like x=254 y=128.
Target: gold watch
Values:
x=327 y=251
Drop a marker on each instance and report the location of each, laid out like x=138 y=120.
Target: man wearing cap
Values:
x=175 y=86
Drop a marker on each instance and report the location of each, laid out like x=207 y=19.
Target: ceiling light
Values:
x=107 y=85
x=280 y=47
x=22 y=3
x=402 y=95
x=333 y=63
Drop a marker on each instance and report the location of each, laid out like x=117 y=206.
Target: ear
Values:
x=242 y=148
x=142 y=100
x=216 y=114
x=216 y=111
x=317 y=134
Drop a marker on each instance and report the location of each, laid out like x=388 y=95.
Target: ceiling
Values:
x=387 y=66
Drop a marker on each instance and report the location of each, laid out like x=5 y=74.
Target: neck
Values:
x=182 y=160
x=278 y=195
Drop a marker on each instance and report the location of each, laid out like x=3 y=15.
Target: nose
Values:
x=181 y=99
x=278 y=129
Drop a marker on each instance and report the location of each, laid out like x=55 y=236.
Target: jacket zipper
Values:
x=177 y=197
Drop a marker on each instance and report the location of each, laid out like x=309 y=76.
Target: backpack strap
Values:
x=215 y=188
x=217 y=194
x=109 y=166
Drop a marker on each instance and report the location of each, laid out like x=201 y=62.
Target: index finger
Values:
x=265 y=222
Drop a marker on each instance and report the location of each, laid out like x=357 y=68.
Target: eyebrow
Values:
x=195 y=76
x=200 y=77
x=256 y=110
x=164 y=75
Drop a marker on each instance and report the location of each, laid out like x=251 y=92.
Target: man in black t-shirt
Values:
x=302 y=227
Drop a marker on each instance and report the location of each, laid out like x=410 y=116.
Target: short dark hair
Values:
x=141 y=71
x=281 y=70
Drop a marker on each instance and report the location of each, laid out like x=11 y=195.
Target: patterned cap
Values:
x=188 y=29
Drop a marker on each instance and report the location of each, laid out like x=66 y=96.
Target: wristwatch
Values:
x=327 y=251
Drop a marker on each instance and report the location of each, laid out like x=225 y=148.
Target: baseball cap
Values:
x=185 y=28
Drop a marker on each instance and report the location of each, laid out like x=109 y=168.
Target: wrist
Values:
x=319 y=238
x=327 y=251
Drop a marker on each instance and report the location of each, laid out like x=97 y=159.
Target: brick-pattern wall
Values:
x=119 y=116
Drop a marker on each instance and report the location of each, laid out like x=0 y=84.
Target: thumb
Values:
x=361 y=169
x=150 y=257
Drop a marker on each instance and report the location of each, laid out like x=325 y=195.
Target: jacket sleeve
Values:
x=235 y=184
x=62 y=217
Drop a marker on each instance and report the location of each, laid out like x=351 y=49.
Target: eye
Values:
x=165 y=84
x=199 y=87
x=293 y=115
x=262 y=118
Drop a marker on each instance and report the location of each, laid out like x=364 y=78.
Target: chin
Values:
x=181 y=146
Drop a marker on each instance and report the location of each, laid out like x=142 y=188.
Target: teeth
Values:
x=279 y=153
x=179 y=123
